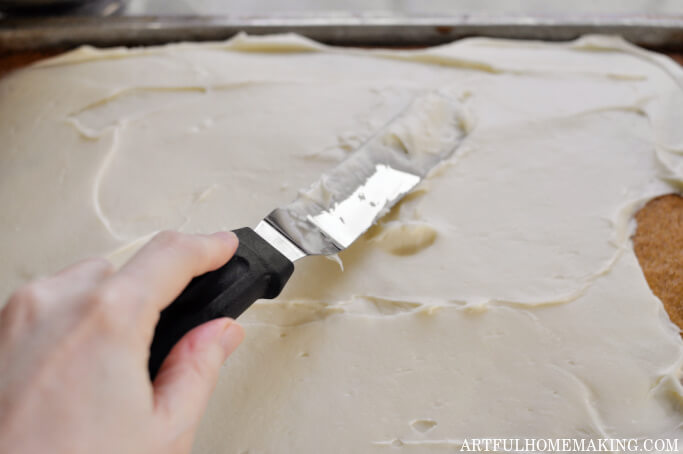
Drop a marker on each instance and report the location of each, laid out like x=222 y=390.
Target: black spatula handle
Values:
x=256 y=271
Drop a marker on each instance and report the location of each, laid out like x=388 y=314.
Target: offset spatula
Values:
x=324 y=220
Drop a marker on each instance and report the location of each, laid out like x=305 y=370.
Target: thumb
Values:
x=189 y=374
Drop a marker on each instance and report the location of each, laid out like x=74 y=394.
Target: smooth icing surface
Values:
x=501 y=298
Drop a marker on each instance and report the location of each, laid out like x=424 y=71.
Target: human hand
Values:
x=74 y=349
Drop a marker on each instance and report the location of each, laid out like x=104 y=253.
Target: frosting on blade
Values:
x=348 y=199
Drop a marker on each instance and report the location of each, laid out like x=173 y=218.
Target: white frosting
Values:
x=502 y=298
x=350 y=197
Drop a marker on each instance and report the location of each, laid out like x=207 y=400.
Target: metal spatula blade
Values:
x=325 y=219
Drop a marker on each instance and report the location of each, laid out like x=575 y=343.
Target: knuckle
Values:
x=102 y=306
x=24 y=304
x=26 y=293
x=106 y=296
x=170 y=238
x=185 y=244
x=110 y=296
x=199 y=367
x=203 y=359
x=108 y=320
x=102 y=264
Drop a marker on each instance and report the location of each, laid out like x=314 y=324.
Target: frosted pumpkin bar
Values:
x=502 y=298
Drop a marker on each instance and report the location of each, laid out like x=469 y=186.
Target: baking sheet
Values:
x=20 y=35
x=22 y=42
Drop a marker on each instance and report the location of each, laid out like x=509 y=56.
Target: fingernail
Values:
x=228 y=237
x=232 y=336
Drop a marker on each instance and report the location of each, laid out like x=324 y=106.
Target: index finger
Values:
x=160 y=271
